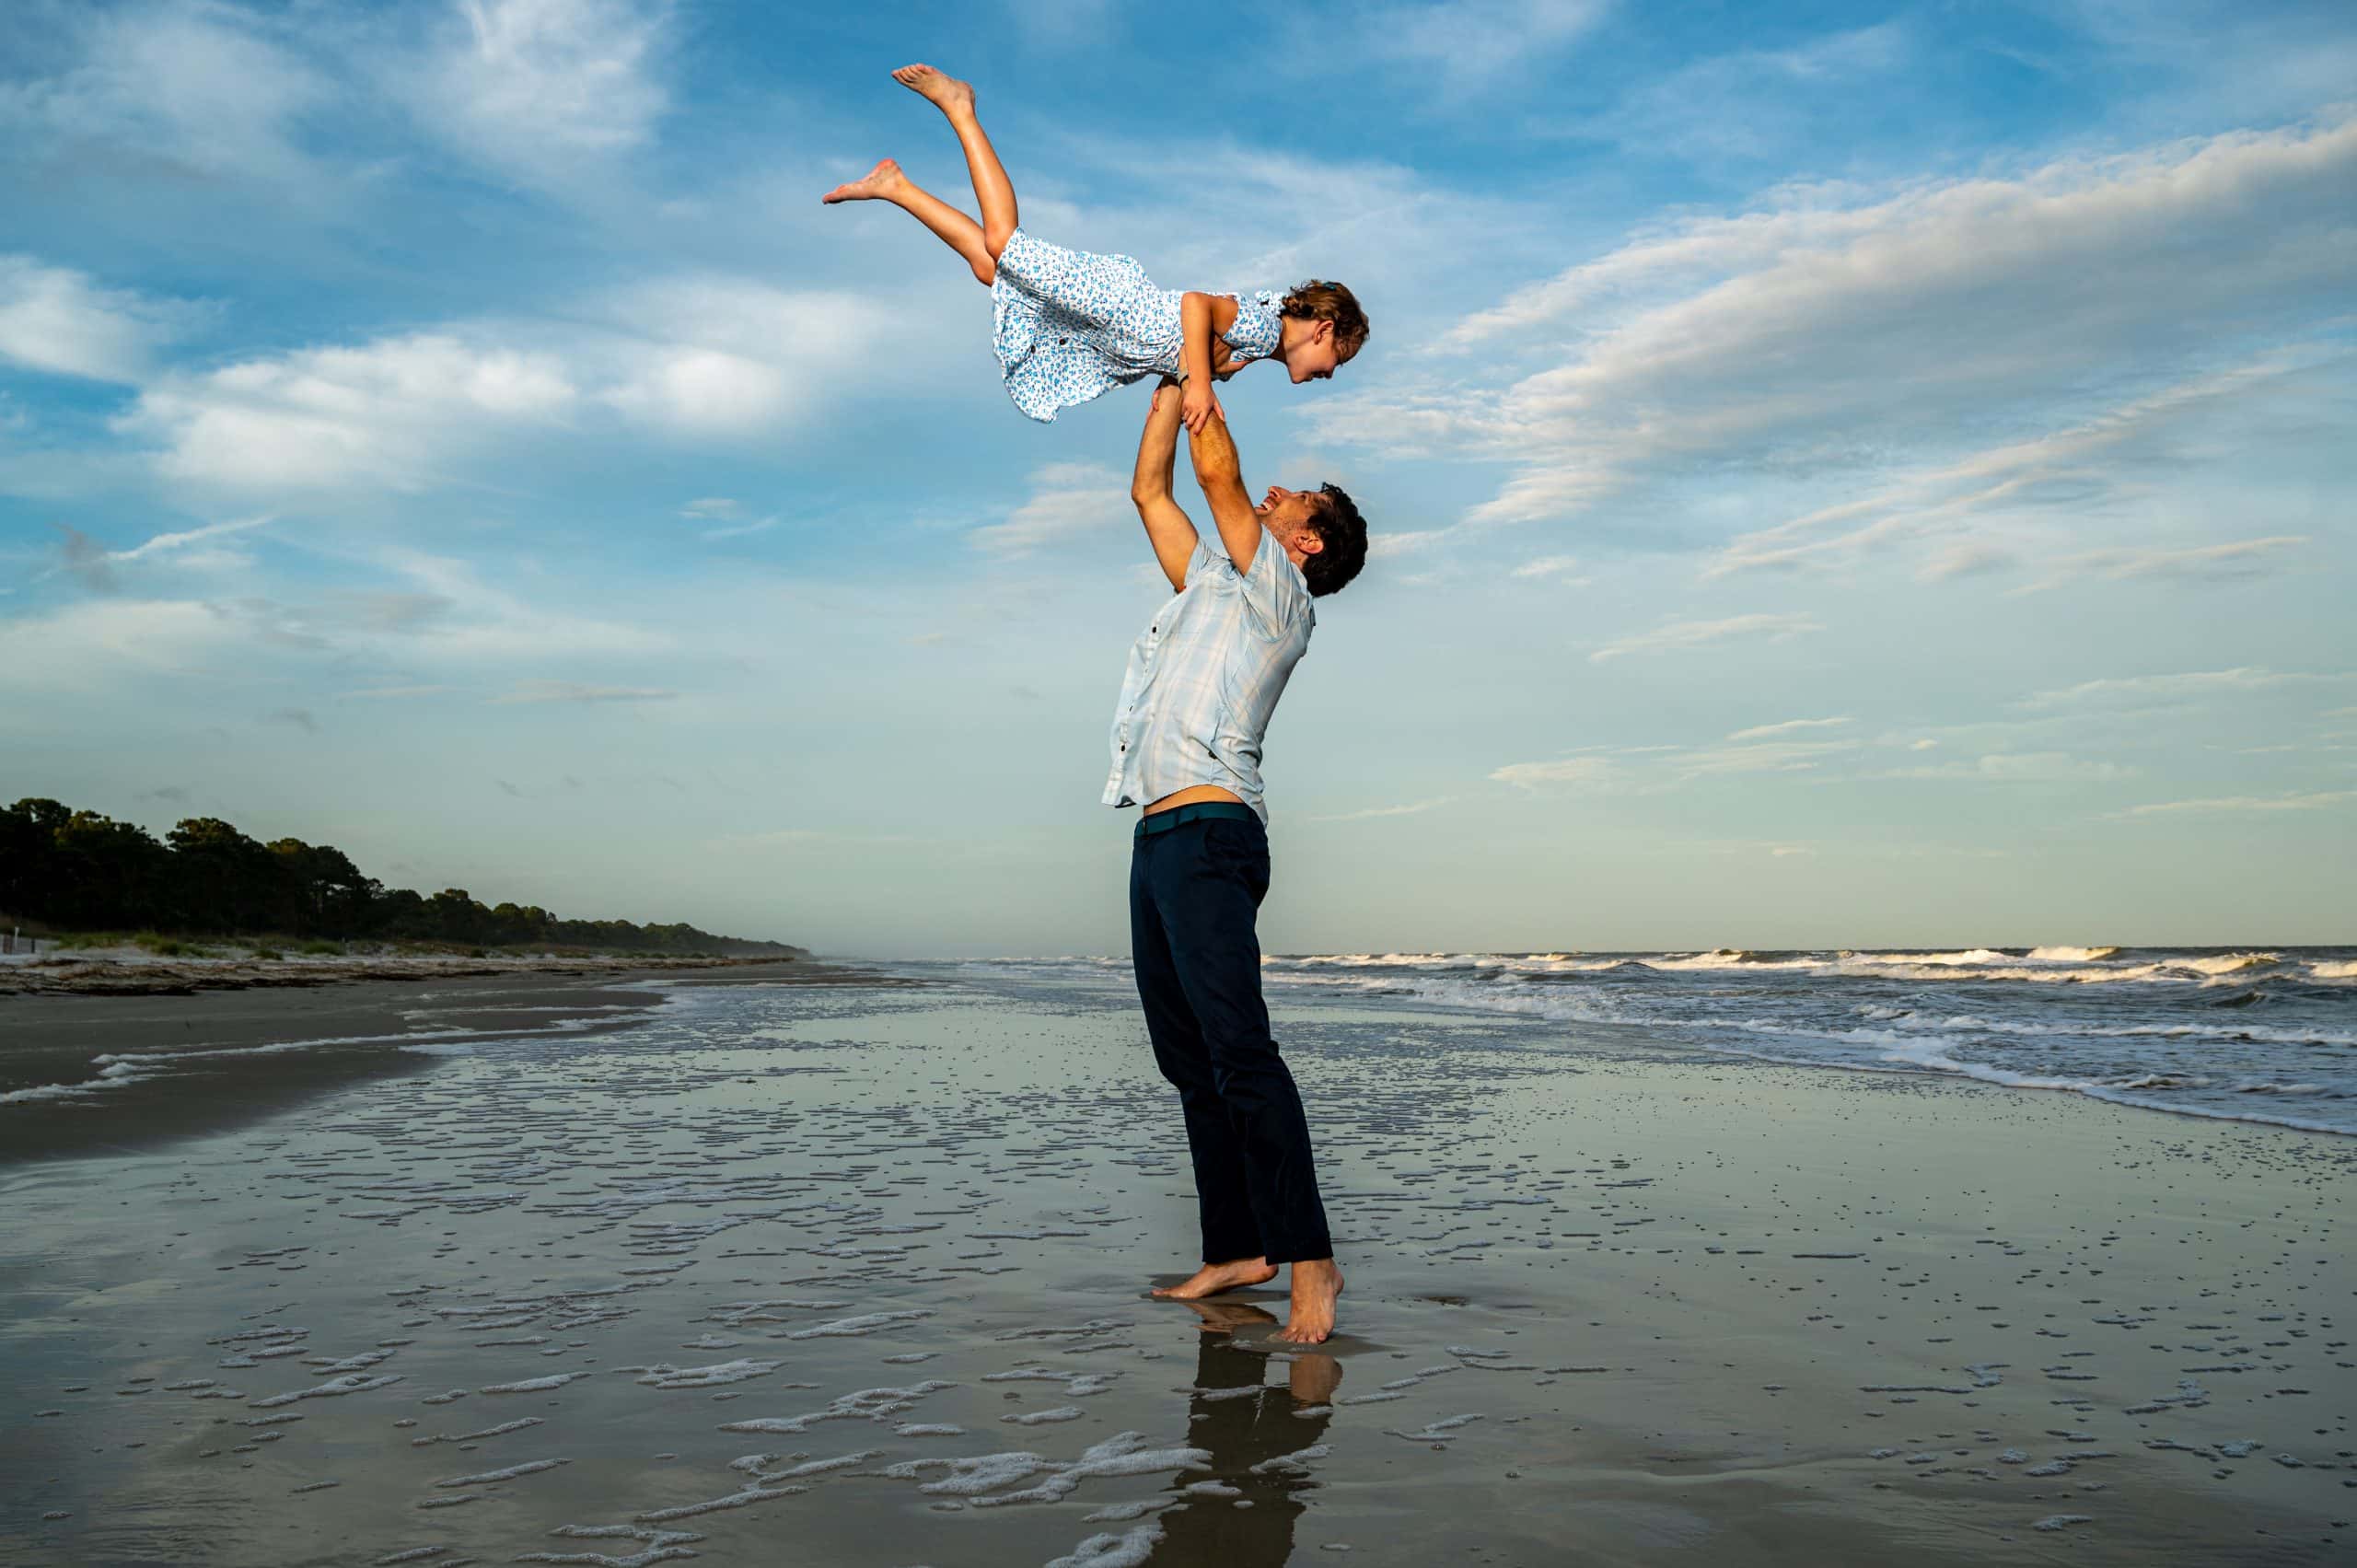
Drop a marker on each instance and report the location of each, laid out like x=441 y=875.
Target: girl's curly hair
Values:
x=1322 y=299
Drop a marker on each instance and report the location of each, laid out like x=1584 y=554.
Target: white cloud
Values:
x=55 y=319
x=2199 y=564
x=2078 y=465
x=2019 y=767
x=483 y=621
x=726 y=357
x=2186 y=686
x=1828 y=322
x=575 y=692
x=1679 y=635
x=1067 y=500
x=1563 y=771
x=95 y=644
x=1375 y=811
x=1390 y=545
x=1465 y=44
x=1761 y=732
x=1763 y=757
x=1753 y=103
x=398 y=693
x=697 y=358
x=540 y=89
x=2314 y=801
x=1548 y=566
x=190 y=87
x=393 y=412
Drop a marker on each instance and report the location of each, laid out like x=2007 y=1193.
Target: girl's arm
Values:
x=1202 y=318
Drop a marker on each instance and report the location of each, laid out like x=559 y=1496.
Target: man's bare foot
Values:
x=1316 y=1283
x=876 y=185
x=950 y=95
x=1213 y=1278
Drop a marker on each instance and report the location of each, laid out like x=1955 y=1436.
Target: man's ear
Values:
x=1309 y=541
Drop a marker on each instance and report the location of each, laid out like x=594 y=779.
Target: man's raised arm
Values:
x=1167 y=528
x=1212 y=451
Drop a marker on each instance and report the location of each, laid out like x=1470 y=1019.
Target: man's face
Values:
x=1285 y=516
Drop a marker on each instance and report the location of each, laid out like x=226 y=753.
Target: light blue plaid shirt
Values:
x=1205 y=677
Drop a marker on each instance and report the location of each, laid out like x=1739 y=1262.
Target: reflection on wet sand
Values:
x=1261 y=1438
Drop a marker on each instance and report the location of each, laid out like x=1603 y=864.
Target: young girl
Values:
x=1071 y=326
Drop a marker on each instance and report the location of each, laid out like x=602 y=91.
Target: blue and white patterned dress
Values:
x=1070 y=325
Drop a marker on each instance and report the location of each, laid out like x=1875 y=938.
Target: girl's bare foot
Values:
x=949 y=94
x=1316 y=1283
x=878 y=185
x=1212 y=1278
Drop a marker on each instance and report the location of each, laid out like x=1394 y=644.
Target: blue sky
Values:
x=1841 y=474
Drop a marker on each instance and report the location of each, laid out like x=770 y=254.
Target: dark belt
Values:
x=1180 y=815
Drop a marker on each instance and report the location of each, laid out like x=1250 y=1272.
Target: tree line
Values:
x=81 y=871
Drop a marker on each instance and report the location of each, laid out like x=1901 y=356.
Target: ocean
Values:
x=2248 y=1034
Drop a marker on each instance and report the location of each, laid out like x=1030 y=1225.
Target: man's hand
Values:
x=1200 y=404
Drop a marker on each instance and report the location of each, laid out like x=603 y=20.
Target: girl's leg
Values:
x=992 y=187
x=961 y=233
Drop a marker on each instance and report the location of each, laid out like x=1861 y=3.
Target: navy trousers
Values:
x=1195 y=890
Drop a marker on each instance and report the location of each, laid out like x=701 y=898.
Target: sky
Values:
x=1840 y=474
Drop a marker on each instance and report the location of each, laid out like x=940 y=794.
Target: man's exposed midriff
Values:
x=1190 y=794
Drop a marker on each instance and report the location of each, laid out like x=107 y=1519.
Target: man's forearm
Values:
x=1158 y=447
x=1212 y=451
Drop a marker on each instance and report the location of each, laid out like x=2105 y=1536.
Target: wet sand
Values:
x=852 y=1275
x=99 y=1056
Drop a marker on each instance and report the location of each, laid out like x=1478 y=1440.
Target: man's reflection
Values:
x=1248 y=1429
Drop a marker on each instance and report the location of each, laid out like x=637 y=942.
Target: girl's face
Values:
x=1313 y=358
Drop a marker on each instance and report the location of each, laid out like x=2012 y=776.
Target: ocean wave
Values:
x=2231 y=963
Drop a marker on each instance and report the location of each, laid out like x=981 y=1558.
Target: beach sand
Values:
x=852 y=1275
x=186 y=1046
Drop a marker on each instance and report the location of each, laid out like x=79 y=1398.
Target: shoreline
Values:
x=140 y=1052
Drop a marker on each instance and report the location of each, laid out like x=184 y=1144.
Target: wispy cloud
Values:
x=1375 y=811
x=2077 y=467
x=63 y=321
x=540 y=89
x=1768 y=335
x=1679 y=635
x=577 y=692
x=1067 y=500
x=1548 y=566
x=1463 y=45
x=2316 y=800
x=2181 y=687
x=2019 y=767
x=1589 y=769
x=1761 y=732
x=2233 y=560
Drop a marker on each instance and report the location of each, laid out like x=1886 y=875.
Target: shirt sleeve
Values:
x=1275 y=590
x=1204 y=560
x=1257 y=330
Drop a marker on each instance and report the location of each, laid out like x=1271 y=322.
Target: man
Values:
x=1195 y=703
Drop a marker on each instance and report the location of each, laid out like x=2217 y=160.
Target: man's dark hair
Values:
x=1339 y=524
